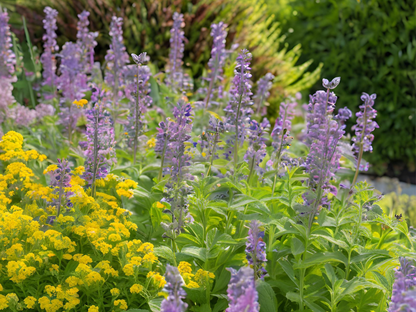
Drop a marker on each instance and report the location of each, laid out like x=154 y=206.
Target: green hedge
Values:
x=372 y=46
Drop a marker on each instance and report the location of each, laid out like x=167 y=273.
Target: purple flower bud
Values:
x=256 y=249
x=263 y=86
x=331 y=85
x=86 y=42
x=7 y=56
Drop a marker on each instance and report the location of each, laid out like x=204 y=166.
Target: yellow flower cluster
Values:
x=80 y=103
x=201 y=278
x=12 y=146
x=93 y=239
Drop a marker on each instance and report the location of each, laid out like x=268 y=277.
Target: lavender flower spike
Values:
x=100 y=153
x=324 y=134
x=7 y=57
x=256 y=150
x=174 y=67
x=242 y=293
x=363 y=130
x=60 y=179
x=86 y=42
x=238 y=108
x=116 y=60
x=256 y=249
x=263 y=86
x=142 y=100
x=7 y=62
x=174 y=283
x=217 y=60
x=50 y=47
x=404 y=288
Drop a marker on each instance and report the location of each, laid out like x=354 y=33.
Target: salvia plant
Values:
x=128 y=194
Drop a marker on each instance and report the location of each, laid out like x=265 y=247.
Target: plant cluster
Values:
x=154 y=198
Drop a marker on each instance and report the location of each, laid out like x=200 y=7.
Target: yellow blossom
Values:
x=160 y=205
x=115 y=291
x=136 y=288
x=93 y=308
x=80 y=103
x=122 y=304
x=151 y=143
x=30 y=302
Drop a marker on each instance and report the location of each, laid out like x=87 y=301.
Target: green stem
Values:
x=211 y=83
x=163 y=160
x=137 y=115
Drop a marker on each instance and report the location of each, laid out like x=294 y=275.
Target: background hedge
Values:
x=371 y=44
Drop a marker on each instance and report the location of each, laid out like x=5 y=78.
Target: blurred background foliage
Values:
x=371 y=44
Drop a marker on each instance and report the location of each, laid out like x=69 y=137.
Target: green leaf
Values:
x=154 y=304
x=297 y=246
x=293 y=297
x=267 y=297
x=322 y=258
x=197 y=252
x=165 y=253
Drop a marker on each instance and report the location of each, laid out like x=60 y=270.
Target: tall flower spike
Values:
x=263 y=86
x=324 y=134
x=174 y=283
x=116 y=60
x=256 y=249
x=100 y=153
x=256 y=150
x=50 y=48
x=242 y=293
x=281 y=137
x=210 y=139
x=61 y=179
x=363 y=130
x=7 y=63
x=238 y=109
x=86 y=42
x=141 y=101
x=404 y=288
x=217 y=60
x=73 y=85
x=176 y=77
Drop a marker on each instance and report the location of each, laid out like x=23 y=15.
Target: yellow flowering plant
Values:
x=78 y=258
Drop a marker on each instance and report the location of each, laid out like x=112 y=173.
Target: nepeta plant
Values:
x=174 y=282
x=256 y=249
x=217 y=60
x=324 y=133
x=242 y=293
x=363 y=130
x=210 y=139
x=239 y=106
x=116 y=60
x=174 y=68
x=60 y=179
x=256 y=151
x=73 y=84
x=7 y=62
x=280 y=135
x=404 y=288
x=86 y=42
x=263 y=86
x=50 y=47
x=100 y=153
x=141 y=101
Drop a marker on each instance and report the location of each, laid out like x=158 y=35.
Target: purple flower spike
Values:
x=242 y=293
x=256 y=249
x=174 y=67
x=7 y=63
x=404 y=288
x=50 y=48
x=116 y=59
x=239 y=109
x=263 y=86
x=7 y=57
x=86 y=42
x=61 y=179
x=365 y=124
x=217 y=60
x=256 y=150
x=100 y=153
x=174 y=283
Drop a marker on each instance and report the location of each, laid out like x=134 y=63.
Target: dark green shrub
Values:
x=372 y=46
